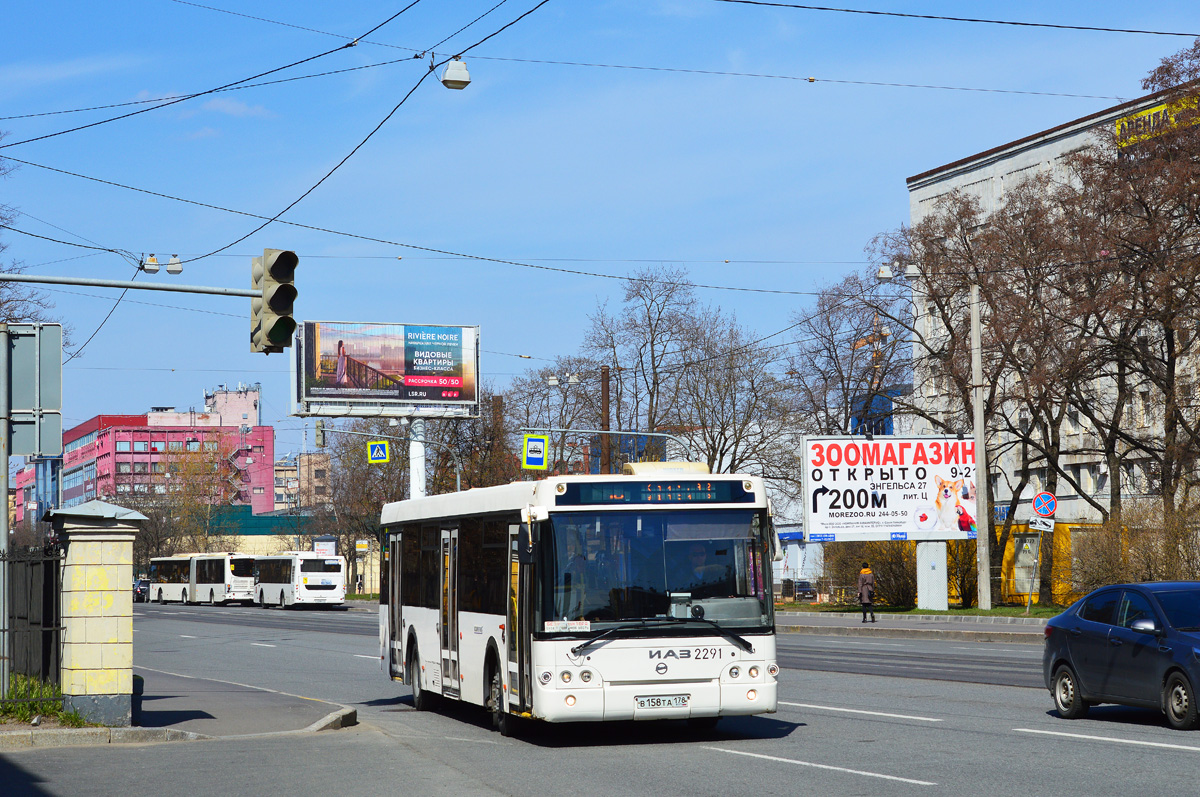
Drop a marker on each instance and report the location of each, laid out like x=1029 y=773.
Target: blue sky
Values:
x=582 y=167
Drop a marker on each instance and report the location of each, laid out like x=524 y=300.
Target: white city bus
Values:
x=222 y=577
x=583 y=598
x=202 y=578
x=302 y=577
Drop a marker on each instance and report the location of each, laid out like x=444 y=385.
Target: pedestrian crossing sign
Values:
x=378 y=452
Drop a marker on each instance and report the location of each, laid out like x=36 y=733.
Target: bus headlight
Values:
x=545 y=677
x=570 y=700
x=734 y=672
x=586 y=676
x=772 y=670
x=566 y=676
x=753 y=672
x=752 y=695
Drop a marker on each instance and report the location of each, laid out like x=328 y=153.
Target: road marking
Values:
x=1110 y=739
x=860 y=711
x=361 y=656
x=862 y=772
x=1000 y=650
x=261 y=645
x=187 y=636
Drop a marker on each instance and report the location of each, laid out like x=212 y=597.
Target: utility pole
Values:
x=605 y=442
x=5 y=410
x=416 y=458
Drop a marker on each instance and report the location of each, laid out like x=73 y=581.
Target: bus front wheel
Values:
x=160 y=598
x=262 y=601
x=501 y=719
x=212 y=598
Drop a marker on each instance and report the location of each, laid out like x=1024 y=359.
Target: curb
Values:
x=64 y=737
x=1017 y=637
x=927 y=618
x=344 y=717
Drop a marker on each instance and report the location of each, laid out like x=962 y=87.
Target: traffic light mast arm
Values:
x=127 y=284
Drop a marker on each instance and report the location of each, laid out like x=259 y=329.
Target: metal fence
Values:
x=34 y=622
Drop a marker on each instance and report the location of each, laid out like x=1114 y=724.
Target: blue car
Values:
x=1133 y=644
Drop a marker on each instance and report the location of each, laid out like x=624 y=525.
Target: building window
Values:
x=141 y=488
x=141 y=445
x=122 y=467
x=193 y=445
x=259 y=490
x=175 y=445
x=210 y=445
x=160 y=489
x=157 y=467
x=123 y=445
x=141 y=467
x=258 y=449
x=319 y=490
x=280 y=481
x=281 y=498
x=123 y=488
x=319 y=473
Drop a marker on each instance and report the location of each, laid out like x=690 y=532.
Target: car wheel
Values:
x=1179 y=699
x=422 y=700
x=1067 y=699
x=501 y=719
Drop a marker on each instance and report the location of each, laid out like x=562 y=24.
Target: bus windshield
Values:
x=615 y=566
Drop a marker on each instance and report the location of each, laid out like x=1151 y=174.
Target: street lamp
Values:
x=150 y=265
x=455 y=76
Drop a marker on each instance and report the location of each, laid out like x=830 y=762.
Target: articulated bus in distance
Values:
x=300 y=577
x=585 y=598
x=202 y=578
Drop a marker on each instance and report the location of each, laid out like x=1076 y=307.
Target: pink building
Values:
x=113 y=456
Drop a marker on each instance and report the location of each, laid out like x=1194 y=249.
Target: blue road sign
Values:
x=534 y=454
x=1044 y=504
x=378 y=452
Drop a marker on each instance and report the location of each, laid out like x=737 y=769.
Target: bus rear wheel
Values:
x=184 y=597
x=212 y=598
x=422 y=700
x=282 y=605
x=160 y=600
x=262 y=601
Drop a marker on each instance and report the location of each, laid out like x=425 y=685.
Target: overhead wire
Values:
x=943 y=18
x=209 y=91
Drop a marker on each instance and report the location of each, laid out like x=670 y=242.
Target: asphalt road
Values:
x=856 y=717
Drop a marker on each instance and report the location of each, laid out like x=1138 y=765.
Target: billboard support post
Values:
x=983 y=507
x=416 y=458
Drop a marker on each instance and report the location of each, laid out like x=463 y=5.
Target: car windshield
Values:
x=1182 y=607
x=615 y=566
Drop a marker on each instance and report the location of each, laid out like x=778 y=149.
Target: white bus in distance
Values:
x=585 y=598
x=300 y=577
x=210 y=578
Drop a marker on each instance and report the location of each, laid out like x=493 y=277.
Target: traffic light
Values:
x=271 y=322
x=319 y=435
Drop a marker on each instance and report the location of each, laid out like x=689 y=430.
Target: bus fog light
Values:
x=566 y=676
x=772 y=670
x=586 y=676
x=570 y=700
x=545 y=677
x=734 y=672
x=752 y=695
x=753 y=672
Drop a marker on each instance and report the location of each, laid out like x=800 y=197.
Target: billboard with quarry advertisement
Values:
x=889 y=488
x=394 y=369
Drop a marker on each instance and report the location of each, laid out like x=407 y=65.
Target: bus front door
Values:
x=450 y=674
x=395 y=617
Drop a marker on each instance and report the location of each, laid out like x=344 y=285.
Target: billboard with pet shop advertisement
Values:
x=889 y=488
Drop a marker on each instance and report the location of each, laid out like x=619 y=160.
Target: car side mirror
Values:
x=526 y=545
x=1146 y=626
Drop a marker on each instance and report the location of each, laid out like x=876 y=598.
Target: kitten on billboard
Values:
x=354 y=361
x=889 y=488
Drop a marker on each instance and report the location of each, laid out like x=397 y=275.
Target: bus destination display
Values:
x=683 y=491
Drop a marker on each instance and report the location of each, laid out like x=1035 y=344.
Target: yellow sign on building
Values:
x=1153 y=121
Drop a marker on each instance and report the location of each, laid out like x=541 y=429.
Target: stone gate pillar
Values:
x=97 y=609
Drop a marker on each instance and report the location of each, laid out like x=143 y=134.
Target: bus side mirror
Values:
x=525 y=545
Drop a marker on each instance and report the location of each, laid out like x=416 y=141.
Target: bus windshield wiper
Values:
x=651 y=622
x=741 y=642
x=642 y=622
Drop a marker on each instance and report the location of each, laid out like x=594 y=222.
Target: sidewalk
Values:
x=1021 y=630
x=177 y=707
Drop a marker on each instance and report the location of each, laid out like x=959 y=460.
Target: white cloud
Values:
x=236 y=108
x=16 y=78
x=204 y=132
